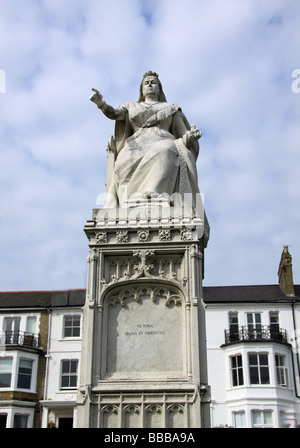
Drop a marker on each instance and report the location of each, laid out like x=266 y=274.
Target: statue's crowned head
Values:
x=161 y=96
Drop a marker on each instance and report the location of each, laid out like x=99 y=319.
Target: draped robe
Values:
x=151 y=160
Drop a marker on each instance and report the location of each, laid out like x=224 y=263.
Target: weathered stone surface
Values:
x=144 y=332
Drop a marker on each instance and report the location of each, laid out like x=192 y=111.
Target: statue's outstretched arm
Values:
x=111 y=112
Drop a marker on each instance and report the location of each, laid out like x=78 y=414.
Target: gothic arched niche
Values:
x=143 y=331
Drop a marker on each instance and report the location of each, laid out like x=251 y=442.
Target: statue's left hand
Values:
x=192 y=135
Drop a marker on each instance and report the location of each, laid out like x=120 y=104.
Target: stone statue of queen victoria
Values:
x=154 y=148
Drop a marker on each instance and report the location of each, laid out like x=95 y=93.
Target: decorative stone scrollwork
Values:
x=144 y=263
x=122 y=236
x=154 y=408
x=154 y=416
x=176 y=415
x=143 y=235
x=110 y=409
x=186 y=234
x=110 y=415
x=143 y=268
x=132 y=415
x=101 y=237
x=164 y=235
x=132 y=409
x=121 y=295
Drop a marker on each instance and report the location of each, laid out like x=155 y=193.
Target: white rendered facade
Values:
x=20 y=353
x=255 y=379
x=63 y=364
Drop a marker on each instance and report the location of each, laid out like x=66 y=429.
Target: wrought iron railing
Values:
x=22 y=338
x=262 y=333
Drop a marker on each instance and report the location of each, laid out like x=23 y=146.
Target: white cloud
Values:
x=228 y=64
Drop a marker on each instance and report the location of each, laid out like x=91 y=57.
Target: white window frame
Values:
x=62 y=375
x=262 y=413
x=242 y=415
x=233 y=314
x=72 y=327
x=237 y=369
x=259 y=367
x=15 y=320
x=256 y=321
x=22 y=415
x=8 y=372
x=274 y=321
x=31 y=318
x=18 y=373
x=281 y=370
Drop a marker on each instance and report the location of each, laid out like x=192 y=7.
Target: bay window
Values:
x=259 y=368
x=5 y=372
x=237 y=370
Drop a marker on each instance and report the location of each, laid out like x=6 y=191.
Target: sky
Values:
x=232 y=66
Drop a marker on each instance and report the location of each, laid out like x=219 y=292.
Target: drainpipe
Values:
x=297 y=353
x=47 y=356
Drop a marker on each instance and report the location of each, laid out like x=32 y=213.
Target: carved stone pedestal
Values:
x=144 y=346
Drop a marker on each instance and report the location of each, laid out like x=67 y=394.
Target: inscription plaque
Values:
x=145 y=334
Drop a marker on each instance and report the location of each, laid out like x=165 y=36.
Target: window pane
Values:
x=249 y=318
x=73 y=381
x=11 y=325
x=72 y=326
x=5 y=379
x=65 y=366
x=239 y=419
x=26 y=364
x=31 y=324
x=8 y=324
x=233 y=318
x=24 y=376
x=65 y=381
x=274 y=319
x=69 y=373
x=5 y=364
x=76 y=332
x=20 y=421
x=257 y=417
x=263 y=358
x=268 y=417
x=3 y=418
x=5 y=372
x=254 y=378
x=233 y=323
x=241 y=378
x=234 y=378
x=253 y=359
x=68 y=332
x=73 y=367
x=264 y=374
x=68 y=321
x=76 y=321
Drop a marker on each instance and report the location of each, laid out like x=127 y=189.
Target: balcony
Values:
x=12 y=339
x=264 y=333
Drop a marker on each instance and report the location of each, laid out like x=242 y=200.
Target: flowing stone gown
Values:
x=151 y=158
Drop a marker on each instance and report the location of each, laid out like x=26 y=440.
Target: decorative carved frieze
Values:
x=144 y=263
x=170 y=295
x=143 y=235
x=101 y=237
x=130 y=235
x=122 y=236
x=164 y=235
